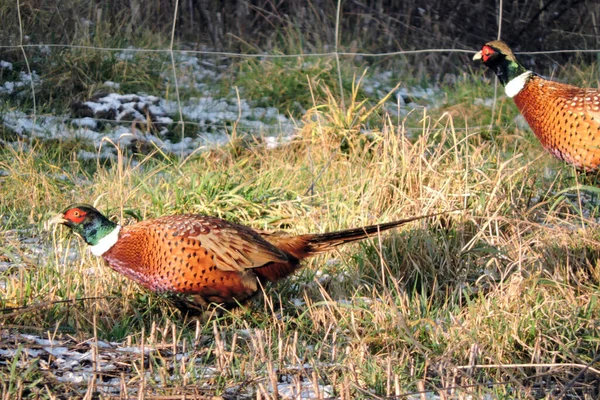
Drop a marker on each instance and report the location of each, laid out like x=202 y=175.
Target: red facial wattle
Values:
x=75 y=215
x=486 y=53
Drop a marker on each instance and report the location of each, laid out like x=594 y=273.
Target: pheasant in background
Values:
x=565 y=118
x=202 y=259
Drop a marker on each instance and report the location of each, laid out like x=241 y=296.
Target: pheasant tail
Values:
x=304 y=246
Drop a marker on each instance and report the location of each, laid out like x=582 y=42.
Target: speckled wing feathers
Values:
x=235 y=247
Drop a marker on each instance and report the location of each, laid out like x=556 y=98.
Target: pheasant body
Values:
x=200 y=258
x=564 y=118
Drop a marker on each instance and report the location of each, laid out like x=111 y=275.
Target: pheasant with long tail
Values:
x=203 y=259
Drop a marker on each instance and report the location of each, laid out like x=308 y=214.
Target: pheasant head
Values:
x=93 y=227
x=497 y=56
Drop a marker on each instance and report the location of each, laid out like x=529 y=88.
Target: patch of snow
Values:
x=363 y=300
x=521 y=122
x=108 y=367
x=86 y=122
x=126 y=55
x=164 y=120
x=304 y=390
x=7 y=88
x=101 y=106
x=33 y=352
x=8 y=353
x=112 y=85
x=156 y=110
x=66 y=364
x=75 y=377
x=135 y=349
x=102 y=344
x=43 y=127
x=6 y=65
x=91 y=120
x=245 y=333
x=405 y=95
x=57 y=351
x=489 y=103
x=38 y=340
x=27 y=79
x=272 y=142
x=298 y=302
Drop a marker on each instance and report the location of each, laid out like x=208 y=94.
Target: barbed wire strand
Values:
x=292 y=55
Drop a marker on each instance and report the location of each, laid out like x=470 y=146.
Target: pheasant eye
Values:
x=75 y=215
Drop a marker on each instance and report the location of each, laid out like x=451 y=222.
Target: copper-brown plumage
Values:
x=204 y=259
x=565 y=118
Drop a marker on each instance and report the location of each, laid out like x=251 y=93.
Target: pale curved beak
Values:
x=477 y=56
x=56 y=220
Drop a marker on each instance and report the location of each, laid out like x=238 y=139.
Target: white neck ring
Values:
x=515 y=85
x=106 y=242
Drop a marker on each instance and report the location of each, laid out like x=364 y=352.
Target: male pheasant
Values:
x=565 y=118
x=202 y=259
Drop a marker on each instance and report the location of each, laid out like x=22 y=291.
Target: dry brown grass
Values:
x=499 y=299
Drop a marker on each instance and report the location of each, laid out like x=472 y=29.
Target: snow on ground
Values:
x=137 y=120
x=488 y=103
x=21 y=248
x=408 y=98
x=6 y=65
x=24 y=81
x=292 y=387
x=141 y=119
x=113 y=364
x=214 y=119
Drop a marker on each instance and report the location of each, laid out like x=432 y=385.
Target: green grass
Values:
x=293 y=84
x=513 y=279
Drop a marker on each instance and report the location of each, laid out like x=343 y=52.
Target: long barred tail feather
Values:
x=304 y=246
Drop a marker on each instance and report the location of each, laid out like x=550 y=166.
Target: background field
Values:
x=303 y=117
